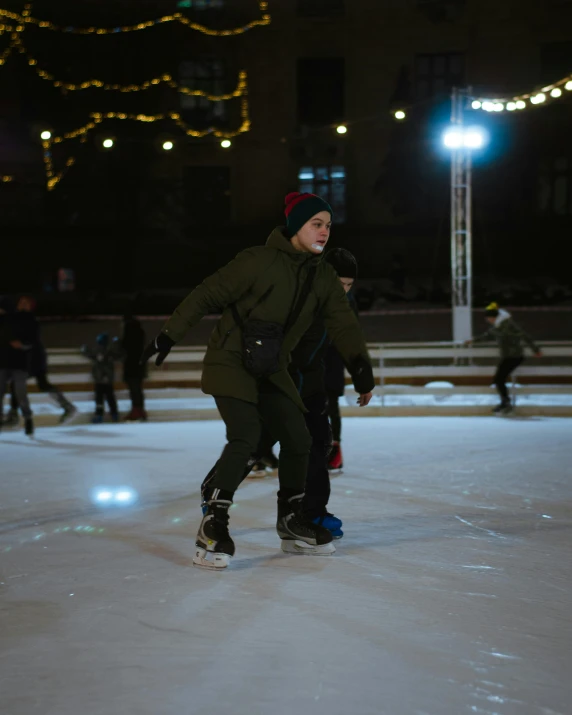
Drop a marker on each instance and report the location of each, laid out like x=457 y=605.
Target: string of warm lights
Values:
x=53 y=178
x=15 y=33
x=26 y=18
x=6 y=179
x=522 y=101
x=163 y=79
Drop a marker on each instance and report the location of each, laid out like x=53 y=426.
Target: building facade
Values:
x=319 y=64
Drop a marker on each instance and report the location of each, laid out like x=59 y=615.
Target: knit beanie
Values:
x=299 y=209
x=492 y=310
x=343 y=262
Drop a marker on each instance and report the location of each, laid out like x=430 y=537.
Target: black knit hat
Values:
x=343 y=262
x=299 y=209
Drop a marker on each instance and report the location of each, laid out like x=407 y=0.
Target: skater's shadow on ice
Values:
x=396 y=530
x=83 y=449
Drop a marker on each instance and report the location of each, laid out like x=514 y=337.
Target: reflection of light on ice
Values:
x=123 y=496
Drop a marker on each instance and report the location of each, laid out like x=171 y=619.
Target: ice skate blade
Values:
x=259 y=474
x=208 y=560
x=290 y=546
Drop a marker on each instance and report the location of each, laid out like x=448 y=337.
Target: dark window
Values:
x=329 y=182
x=556 y=61
x=436 y=74
x=320 y=8
x=321 y=90
x=555 y=187
x=207 y=194
x=208 y=75
x=201 y=4
x=442 y=10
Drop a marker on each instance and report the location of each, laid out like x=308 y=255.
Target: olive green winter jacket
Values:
x=242 y=282
x=509 y=336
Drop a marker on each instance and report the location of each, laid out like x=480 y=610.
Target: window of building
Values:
x=320 y=8
x=207 y=194
x=555 y=61
x=442 y=10
x=329 y=182
x=555 y=187
x=321 y=90
x=208 y=75
x=436 y=74
x=201 y=4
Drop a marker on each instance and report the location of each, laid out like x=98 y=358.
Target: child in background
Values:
x=103 y=356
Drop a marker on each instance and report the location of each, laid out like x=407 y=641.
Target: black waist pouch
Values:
x=261 y=346
x=262 y=340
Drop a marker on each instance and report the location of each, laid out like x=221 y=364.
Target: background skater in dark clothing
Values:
x=103 y=356
x=38 y=368
x=307 y=372
x=510 y=338
x=335 y=383
x=133 y=344
x=18 y=333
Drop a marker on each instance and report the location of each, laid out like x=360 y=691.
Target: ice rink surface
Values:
x=451 y=592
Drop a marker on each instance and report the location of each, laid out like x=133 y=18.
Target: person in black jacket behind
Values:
x=133 y=343
x=38 y=368
x=18 y=333
x=335 y=382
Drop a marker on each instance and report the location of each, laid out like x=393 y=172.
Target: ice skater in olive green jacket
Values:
x=265 y=291
x=510 y=338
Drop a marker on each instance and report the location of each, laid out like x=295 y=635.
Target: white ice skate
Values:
x=210 y=560
x=295 y=546
x=214 y=547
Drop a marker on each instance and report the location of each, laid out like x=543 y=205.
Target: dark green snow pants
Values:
x=243 y=422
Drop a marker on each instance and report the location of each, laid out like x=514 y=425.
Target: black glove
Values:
x=362 y=375
x=162 y=344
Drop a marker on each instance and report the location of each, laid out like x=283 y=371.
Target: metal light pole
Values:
x=461 y=227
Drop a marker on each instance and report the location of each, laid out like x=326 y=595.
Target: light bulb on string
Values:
x=167 y=146
x=45 y=135
x=498 y=107
x=226 y=143
x=488 y=106
x=538 y=98
x=107 y=143
x=556 y=92
x=400 y=114
x=520 y=104
x=511 y=106
x=476 y=104
x=342 y=129
x=568 y=86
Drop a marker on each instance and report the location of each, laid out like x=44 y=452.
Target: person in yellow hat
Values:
x=510 y=338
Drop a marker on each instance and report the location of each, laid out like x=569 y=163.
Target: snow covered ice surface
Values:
x=449 y=594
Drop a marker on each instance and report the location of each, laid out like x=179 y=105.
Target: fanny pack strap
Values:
x=235 y=314
x=304 y=293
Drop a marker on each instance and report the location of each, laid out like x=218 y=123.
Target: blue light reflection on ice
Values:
x=105 y=496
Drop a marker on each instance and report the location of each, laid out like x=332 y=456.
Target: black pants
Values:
x=44 y=385
x=135 y=387
x=105 y=391
x=243 y=421
x=317 y=483
x=335 y=417
x=506 y=366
